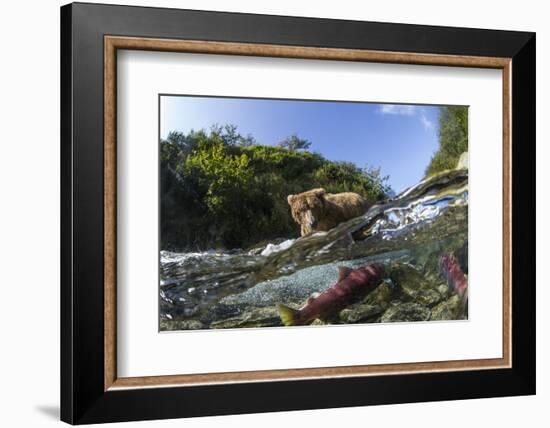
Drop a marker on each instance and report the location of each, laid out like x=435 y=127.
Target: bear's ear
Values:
x=290 y=199
x=319 y=192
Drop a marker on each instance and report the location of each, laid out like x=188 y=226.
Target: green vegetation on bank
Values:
x=220 y=189
x=453 y=139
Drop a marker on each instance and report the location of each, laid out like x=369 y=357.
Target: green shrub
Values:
x=453 y=139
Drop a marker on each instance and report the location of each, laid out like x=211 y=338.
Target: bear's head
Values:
x=307 y=209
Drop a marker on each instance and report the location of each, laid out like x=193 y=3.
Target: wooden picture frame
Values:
x=91 y=390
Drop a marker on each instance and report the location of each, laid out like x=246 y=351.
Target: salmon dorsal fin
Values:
x=343 y=272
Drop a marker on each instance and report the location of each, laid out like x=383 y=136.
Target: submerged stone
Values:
x=427 y=297
x=360 y=313
x=261 y=317
x=448 y=310
x=406 y=312
x=407 y=277
x=381 y=296
x=181 y=325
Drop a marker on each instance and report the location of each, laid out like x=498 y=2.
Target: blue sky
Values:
x=399 y=138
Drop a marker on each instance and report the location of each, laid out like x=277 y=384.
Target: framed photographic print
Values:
x=275 y=213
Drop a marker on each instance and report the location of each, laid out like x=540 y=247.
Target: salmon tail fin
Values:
x=288 y=315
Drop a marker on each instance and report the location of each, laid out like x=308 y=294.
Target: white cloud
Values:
x=398 y=109
x=408 y=110
x=428 y=124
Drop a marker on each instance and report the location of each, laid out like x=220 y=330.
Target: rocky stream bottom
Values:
x=410 y=293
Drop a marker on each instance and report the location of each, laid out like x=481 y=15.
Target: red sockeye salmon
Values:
x=451 y=270
x=352 y=285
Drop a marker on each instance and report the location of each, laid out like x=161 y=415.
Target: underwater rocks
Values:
x=261 y=317
x=406 y=312
x=361 y=314
x=450 y=309
x=181 y=325
x=384 y=294
x=427 y=298
x=409 y=278
x=417 y=285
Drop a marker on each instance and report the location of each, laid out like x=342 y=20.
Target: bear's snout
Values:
x=310 y=220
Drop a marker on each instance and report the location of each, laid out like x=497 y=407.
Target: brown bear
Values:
x=316 y=210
